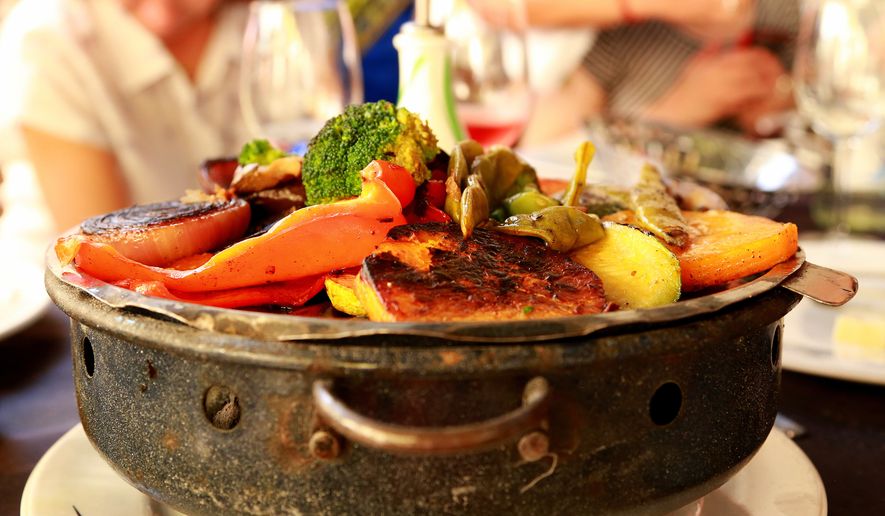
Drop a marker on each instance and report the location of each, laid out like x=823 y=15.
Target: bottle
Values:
x=425 y=77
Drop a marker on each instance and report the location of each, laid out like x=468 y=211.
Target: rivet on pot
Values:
x=222 y=407
x=536 y=388
x=533 y=446
x=324 y=445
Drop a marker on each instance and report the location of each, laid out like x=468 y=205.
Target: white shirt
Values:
x=87 y=71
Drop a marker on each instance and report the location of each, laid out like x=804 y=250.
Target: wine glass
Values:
x=839 y=77
x=300 y=67
x=489 y=69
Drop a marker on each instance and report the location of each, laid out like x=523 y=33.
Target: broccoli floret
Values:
x=261 y=152
x=351 y=140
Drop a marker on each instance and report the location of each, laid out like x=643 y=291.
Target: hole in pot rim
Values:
x=221 y=406
x=665 y=404
x=88 y=357
x=776 y=340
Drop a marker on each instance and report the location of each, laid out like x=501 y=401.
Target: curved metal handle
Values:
x=445 y=440
x=826 y=286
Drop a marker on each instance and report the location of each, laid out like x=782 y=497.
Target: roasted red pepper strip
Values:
x=308 y=242
x=283 y=293
x=422 y=211
x=435 y=192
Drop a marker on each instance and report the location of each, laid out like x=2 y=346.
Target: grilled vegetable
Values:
x=353 y=139
x=428 y=272
x=260 y=152
x=310 y=241
x=583 y=156
x=282 y=293
x=474 y=205
x=636 y=270
x=340 y=289
x=724 y=246
x=564 y=228
x=528 y=201
x=255 y=177
x=691 y=196
x=217 y=174
x=656 y=211
x=604 y=200
x=503 y=173
x=161 y=233
x=479 y=182
x=456 y=182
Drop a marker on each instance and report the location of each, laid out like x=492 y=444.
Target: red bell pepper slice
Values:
x=308 y=242
x=422 y=211
x=282 y=293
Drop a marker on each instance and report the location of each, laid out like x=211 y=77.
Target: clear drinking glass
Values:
x=300 y=67
x=839 y=77
x=490 y=69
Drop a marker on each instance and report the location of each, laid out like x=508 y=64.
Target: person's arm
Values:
x=707 y=16
x=77 y=179
x=564 y=111
x=716 y=85
x=578 y=13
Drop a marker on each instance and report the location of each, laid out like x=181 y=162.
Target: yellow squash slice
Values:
x=636 y=269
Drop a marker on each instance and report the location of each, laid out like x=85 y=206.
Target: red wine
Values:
x=488 y=126
x=488 y=134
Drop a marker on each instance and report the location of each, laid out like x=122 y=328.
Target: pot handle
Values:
x=826 y=286
x=445 y=440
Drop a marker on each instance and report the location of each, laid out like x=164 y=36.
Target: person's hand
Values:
x=721 y=21
x=766 y=117
x=715 y=85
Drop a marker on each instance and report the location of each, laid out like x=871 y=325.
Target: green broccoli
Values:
x=261 y=152
x=351 y=140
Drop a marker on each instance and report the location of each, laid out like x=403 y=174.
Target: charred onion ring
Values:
x=161 y=233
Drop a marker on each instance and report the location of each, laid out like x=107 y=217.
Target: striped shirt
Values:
x=637 y=64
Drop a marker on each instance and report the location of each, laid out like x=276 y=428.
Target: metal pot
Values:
x=218 y=411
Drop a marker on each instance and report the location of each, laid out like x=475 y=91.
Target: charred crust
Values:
x=145 y=216
x=490 y=275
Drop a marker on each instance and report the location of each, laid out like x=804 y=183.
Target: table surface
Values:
x=845 y=421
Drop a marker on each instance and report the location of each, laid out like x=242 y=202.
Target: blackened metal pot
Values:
x=222 y=412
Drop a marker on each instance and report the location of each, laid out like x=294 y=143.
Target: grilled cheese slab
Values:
x=428 y=272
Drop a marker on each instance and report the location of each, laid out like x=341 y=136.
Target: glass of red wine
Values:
x=489 y=70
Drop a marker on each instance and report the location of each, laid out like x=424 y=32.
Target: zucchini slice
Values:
x=636 y=269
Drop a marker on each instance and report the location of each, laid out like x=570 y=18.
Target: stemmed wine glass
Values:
x=489 y=69
x=300 y=67
x=839 y=76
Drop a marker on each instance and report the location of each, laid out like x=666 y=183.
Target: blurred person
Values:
x=119 y=101
x=115 y=102
x=691 y=64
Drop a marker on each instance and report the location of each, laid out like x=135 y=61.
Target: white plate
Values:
x=778 y=481
x=809 y=346
x=22 y=294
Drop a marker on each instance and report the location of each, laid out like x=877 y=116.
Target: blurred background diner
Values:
x=777 y=105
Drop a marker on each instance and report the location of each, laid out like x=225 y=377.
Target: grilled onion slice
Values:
x=161 y=233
